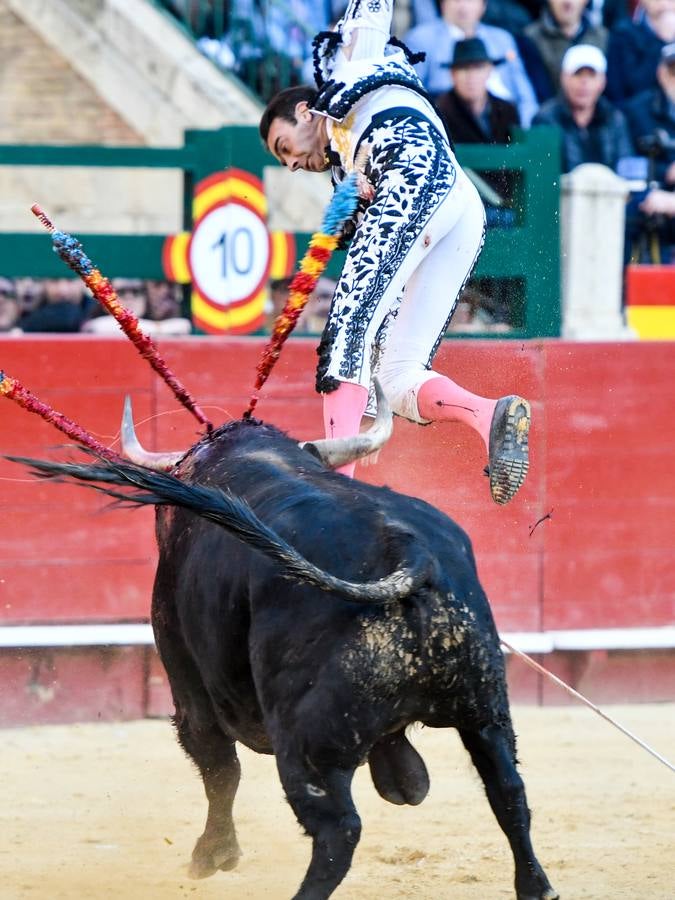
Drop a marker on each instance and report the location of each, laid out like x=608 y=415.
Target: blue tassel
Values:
x=71 y=252
x=342 y=205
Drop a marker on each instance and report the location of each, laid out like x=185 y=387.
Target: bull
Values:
x=315 y=617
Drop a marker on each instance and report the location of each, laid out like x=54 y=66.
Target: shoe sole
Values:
x=509 y=459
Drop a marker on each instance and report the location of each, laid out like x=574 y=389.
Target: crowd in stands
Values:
x=600 y=71
x=63 y=305
x=492 y=65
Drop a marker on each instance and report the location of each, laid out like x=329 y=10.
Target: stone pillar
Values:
x=593 y=221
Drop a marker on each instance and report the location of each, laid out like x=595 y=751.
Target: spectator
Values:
x=462 y=19
x=635 y=47
x=163 y=300
x=278 y=295
x=470 y=113
x=513 y=15
x=63 y=309
x=9 y=308
x=424 y=11
x=30 y=295
x=313 y=317
x=593 y=131
x=608 y=12
x=651 y=119
x=270 y=44
x=650 y=230
x=476 y=312
x=535 y=67
x=561 y=25
x=132 y=294
x=659 y=203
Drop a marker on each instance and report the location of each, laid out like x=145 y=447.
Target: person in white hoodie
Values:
x=415 y=243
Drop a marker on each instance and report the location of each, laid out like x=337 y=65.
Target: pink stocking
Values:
x=441 y=400
x=342 y=411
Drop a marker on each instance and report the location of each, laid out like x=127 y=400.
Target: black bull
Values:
x=264 y=648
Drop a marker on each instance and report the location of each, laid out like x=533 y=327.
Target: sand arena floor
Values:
x=112 y=811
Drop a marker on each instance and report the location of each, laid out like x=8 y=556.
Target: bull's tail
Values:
x=144 y=487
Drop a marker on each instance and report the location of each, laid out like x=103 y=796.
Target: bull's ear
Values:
x=335 y=452
x=135 y=453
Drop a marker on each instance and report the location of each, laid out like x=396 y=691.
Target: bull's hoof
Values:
x=545 y=893
x=207 y=861
x=549 y=894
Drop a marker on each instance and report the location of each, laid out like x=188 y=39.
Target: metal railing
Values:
x=245 y=46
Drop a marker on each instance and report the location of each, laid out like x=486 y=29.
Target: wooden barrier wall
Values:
x=603 y=443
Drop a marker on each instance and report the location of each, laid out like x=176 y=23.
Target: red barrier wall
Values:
x=602 y=450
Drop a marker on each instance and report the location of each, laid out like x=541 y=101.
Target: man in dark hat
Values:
x=460 y=20
x=470 y=113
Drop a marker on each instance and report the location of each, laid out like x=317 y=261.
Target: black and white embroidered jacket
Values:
x=361 y=72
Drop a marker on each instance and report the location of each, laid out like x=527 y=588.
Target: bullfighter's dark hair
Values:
x=282 y=106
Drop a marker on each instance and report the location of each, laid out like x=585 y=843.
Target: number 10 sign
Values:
x=230 y=254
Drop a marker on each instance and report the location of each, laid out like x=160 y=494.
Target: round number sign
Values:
x=230 y=255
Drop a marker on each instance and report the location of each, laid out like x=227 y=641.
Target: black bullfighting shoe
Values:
x=509 y=459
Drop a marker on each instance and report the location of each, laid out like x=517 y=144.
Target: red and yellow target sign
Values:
x=229 y=256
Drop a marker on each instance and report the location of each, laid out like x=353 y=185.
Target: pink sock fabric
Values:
x=342 y=411
x=441 y=400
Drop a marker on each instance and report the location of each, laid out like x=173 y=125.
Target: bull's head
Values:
x=333 y=452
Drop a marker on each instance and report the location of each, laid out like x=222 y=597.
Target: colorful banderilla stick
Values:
x=321 y=246
x=71 y=252
x=14 y=390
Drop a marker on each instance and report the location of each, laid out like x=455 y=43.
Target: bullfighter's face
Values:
x=300 y=144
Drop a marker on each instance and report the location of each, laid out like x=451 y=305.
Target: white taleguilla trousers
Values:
x=411 y=255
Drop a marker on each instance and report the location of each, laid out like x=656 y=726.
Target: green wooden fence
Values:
x=528 y=251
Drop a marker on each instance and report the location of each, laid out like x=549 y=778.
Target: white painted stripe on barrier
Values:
x=660 y=638
x=75 y=635
x=614 y=638
x=530 y=641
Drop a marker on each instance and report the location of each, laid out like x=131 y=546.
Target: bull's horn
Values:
x=335 y=452
x=133 y=451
